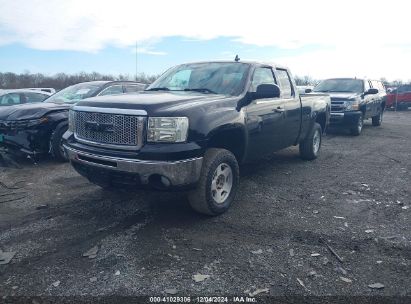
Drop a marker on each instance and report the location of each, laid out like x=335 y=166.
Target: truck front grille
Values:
x=116 y=131
x=337 y=106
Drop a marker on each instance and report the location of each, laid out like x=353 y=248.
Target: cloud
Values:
x=350 y=27
x=150 y=52
x=389 y=62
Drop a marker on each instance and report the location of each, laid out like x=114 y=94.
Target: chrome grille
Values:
x=121 y=131
x=337 y=106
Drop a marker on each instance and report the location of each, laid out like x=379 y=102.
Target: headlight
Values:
x=352 y=104
x=23 y=124
x=71 y=121
x=167 y=129
x=355 y=105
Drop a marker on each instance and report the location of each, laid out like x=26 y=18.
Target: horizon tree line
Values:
x=9 y=80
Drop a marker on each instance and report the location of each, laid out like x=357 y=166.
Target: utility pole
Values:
x=396 y=98
x=136 y=61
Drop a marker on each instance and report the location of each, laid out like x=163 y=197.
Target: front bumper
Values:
x=31 y=141
x=345 y=118
x=135 y=172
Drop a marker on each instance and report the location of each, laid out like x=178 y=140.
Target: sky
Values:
x=317 y=38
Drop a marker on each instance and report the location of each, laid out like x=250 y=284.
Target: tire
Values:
x=214 y=195
x=358 y=127
x=377 y=119
x=104 y=186
x=57 y=144
x=310 y=146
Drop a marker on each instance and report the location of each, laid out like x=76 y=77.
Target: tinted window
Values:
x=113 y=90
x=262 y=76
x=10 y=99
x=285 y=83
x=377 y=85
x=405 y=88
x=34 y=97
x=340 y=85
x=74 y=93
x=367 y=85
x=221 y=78
x=133 y=88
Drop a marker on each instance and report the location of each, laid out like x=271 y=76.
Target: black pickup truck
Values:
x=192 y=128
x=354 y=100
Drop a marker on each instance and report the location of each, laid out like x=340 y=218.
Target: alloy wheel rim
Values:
x=221 y=183
x=360 y=123
x=316 y=141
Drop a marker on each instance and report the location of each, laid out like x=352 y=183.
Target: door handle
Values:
x=279 y=110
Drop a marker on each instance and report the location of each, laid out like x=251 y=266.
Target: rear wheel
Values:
x=218 y=183
x=310 y=146
x=356 y=130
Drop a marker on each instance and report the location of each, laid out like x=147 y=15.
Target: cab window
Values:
x=262 y=76
x=367 y=85
x=285 y=83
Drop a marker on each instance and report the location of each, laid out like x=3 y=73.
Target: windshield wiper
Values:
x=201 y=90
x=158 y=89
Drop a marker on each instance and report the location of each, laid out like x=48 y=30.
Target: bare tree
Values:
x=61 y=80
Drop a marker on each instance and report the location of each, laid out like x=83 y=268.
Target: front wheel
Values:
x=218 y=183
x=356 y=130
x=57 y=144
x=310 y=146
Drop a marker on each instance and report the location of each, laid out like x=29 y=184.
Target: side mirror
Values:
x=266 y=91
x=308 y=90
x=371 y=91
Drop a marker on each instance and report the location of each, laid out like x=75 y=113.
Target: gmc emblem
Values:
x=99 y=127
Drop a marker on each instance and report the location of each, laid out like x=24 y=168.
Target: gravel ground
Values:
x=278 y=236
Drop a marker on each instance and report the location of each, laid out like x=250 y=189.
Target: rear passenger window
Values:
x=285 y=84
x=133 y=88
x=262 y=76
x=10 y=99
x=34 y=97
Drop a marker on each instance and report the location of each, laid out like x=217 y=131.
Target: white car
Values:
x=303 y=89
x=47 y=90
x=20 y=96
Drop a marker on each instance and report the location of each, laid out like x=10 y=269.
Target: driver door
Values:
x=265 y=118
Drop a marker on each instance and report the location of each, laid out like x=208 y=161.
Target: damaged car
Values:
x=34 y=129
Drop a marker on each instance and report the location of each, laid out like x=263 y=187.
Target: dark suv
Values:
x=353 y=100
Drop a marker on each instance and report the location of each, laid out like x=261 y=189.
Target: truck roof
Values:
x=354 y=78
x=250 y=62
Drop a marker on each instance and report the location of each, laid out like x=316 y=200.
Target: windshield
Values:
x=340 y=85
x=215 y=77
x=74 y=93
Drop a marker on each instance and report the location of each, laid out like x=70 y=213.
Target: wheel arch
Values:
x=230 y=137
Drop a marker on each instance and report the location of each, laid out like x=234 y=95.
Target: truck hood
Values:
x=336 y=96
x=30 y=110
x=158 y=102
